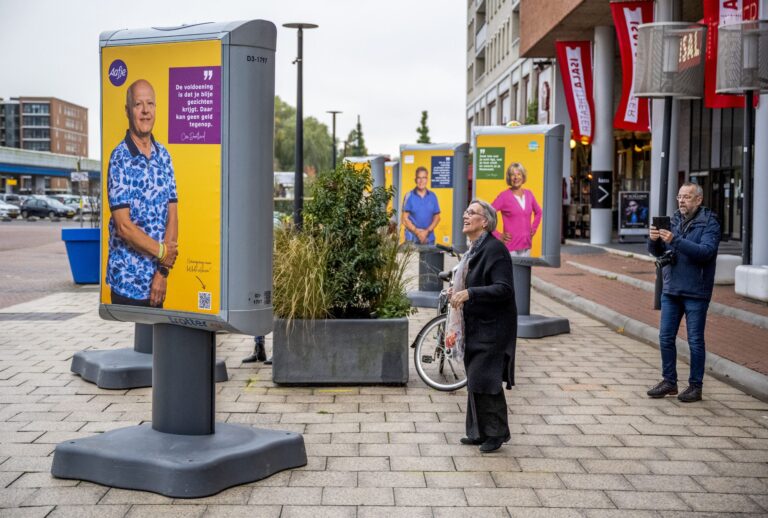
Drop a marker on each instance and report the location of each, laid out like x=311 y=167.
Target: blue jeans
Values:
x=673 y=307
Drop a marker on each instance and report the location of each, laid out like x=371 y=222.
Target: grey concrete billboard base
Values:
x=340 y=352
x=179 y=466
x=125 y=368
x=424 y=299
x=183 y=452
x=539 y=326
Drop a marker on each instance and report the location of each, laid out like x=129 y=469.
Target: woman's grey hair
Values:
x=489 y=214
x=515 y=166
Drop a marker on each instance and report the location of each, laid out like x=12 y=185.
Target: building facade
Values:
x=44 y=124
x=519 y=80
x=499 y=82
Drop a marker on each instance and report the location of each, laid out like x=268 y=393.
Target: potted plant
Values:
x=339 y=288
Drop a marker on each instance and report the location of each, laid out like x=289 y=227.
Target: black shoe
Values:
x=259 y=353
x=663 y=388
x=268 y=361
x=475 y=442
x=491 y=444
x=690 y=395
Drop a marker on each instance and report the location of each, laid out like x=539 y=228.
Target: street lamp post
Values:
x=298 y=187
x=663 y=71
x=335 y=151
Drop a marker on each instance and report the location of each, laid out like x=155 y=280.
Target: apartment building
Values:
x=44 y=124
x=500 y=84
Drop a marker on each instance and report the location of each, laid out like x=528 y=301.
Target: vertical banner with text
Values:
x=633 y=113
x=716 y=13
x=574 y=60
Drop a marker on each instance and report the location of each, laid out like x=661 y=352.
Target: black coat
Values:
x=490 y=319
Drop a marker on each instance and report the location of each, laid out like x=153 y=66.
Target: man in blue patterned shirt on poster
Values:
x=144 y=227
x=421 y=211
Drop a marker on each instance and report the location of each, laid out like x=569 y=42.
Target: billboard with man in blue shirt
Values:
x=421 y=211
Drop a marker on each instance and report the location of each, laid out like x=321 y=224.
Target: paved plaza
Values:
x=585 y=439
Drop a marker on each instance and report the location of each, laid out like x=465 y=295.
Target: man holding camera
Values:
x=687 y=251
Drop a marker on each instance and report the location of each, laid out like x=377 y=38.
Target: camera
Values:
x=666 y=259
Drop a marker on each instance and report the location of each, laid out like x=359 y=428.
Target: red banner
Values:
x=633 y=113
x=722 y=12
x=574 y=59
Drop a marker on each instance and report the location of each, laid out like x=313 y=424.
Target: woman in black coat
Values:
x=490 y=327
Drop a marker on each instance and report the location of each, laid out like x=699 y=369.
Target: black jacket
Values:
x=490 y=319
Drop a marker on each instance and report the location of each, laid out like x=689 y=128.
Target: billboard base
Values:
x=533 y=326
x=125 y=368
x=539 y=326
x=183 y=453
x=179 y=466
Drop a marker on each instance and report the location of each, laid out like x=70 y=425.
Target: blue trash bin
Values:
x=83 y=251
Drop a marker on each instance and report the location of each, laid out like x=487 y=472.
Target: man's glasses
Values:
x=685 y=197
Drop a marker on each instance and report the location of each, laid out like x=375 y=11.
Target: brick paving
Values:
x=586 y=442
x=646 y=271
x=728 y=337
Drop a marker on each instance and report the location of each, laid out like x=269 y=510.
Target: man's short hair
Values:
x=418 y=170
x=516 y=166
x=699 y=190
x=490 y=214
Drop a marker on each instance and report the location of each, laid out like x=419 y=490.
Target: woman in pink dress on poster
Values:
x=517 y=205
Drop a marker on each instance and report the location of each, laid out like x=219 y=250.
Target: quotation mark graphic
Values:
x=207 y=75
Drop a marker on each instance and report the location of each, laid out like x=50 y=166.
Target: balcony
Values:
x=480 y=39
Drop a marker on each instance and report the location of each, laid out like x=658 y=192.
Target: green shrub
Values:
x=344 y=263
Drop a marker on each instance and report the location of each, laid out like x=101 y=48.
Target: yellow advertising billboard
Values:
x=389 y=168
x=436 y=166
x=161 y=148
x=374 y=162
x=519 y=170
x=494 y=156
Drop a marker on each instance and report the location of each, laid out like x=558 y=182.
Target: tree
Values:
x=423 y=130
x=355 y=143
x=317 y=140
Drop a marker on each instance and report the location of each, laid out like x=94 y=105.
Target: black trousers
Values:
x=487 y=416
x=126 y=301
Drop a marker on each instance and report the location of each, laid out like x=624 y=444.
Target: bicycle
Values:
x=433 y=365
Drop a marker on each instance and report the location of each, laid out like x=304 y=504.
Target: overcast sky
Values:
x=385 y=61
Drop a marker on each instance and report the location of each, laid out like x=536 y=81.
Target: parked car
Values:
x=8 y=210
x=75 y=201
x=43 y=206
x=13 y=199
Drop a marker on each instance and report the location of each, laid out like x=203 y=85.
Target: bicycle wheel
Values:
x=433 y=366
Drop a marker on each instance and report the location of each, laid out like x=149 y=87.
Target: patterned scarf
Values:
x=454 y=338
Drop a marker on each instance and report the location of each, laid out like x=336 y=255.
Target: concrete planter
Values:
x=340 y=352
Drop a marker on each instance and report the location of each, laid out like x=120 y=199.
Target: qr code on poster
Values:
x=203 y=300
